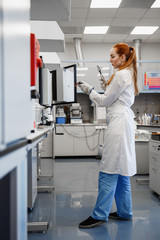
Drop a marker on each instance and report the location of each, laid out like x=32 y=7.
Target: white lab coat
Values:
x=119 y=145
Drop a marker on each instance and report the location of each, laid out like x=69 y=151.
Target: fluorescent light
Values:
x=82 y=69
x=80 y=75
x=105 y=68
x=156 y=4
x=144 y=30
x=104 y=74
x=105 y=3
x=96 y=30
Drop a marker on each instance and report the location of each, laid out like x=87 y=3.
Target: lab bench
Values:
x=78 y=139
x=34 y=164
x=15 y=158
x=151 y=128
x=142 y=149
x=34 y=173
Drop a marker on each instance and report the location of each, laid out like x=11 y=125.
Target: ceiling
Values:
x=121 y=21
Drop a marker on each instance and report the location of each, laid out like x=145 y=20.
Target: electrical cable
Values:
x=85 y=136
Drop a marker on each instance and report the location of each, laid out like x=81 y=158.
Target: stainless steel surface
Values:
x=46 y=88
x=75 y=111
x=45 y=188
x=137 y=45
x=83 y=124
x=32 y=176
x=37 y=226
x=142 y=181
x=78 y=50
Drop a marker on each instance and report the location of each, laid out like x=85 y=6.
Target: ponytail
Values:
x=131 y=61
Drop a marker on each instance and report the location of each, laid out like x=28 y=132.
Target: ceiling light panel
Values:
x=156 y=4
x=105 y=4
x=144 y=30
x=96 y=30
x=82 y=69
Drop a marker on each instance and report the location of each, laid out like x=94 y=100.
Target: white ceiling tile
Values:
x=80 y=3
x=76 y=22
x=98 y=21
x=149 y=22
x=153 y=13
x=154 y=38
x=136 y=3
x=130 y=12
x=115 y=37
x=132 y=37
x=101 y=13
x=124 y=22
x=73 y=35
x=157 y=31
x=72 y=30
x=119 y=30
x=95 y=36
x=121 y=20
x=93 y=40
x=79 y=13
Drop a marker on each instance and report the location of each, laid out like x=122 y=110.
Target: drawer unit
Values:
x=155 y=158
x=154 y=146
x=154 y=175
x=154 y=165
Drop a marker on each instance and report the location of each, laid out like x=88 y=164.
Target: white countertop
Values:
x=39 y=132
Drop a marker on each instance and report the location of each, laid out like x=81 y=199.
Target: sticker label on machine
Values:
x=151 y=81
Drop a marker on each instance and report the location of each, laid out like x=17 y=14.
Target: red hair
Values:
x=131 y=61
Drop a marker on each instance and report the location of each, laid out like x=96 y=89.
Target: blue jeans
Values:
x=110 y=186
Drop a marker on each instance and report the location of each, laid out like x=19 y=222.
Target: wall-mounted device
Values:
x=35 y=60
x=64 y=85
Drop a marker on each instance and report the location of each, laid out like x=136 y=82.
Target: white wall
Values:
x=97 y=51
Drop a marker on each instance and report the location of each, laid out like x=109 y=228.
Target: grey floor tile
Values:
x=76 y=182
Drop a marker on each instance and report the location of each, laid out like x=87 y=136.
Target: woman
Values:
x=118 y=160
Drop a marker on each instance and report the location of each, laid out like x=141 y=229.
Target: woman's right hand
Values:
x=103 y=83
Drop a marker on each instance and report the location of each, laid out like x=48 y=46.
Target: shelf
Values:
x=149 y=91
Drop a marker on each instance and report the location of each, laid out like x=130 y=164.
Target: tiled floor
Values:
x=75 y=182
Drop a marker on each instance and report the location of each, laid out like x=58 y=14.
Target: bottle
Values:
x=100 y=150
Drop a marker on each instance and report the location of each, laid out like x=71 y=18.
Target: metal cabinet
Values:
x=46 y=150
x=154 y=165
x=63 y=141
x=142 y=156
x=13 y=188
x=15 y=109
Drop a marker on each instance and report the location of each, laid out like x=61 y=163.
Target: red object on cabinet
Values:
x=36 y=62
